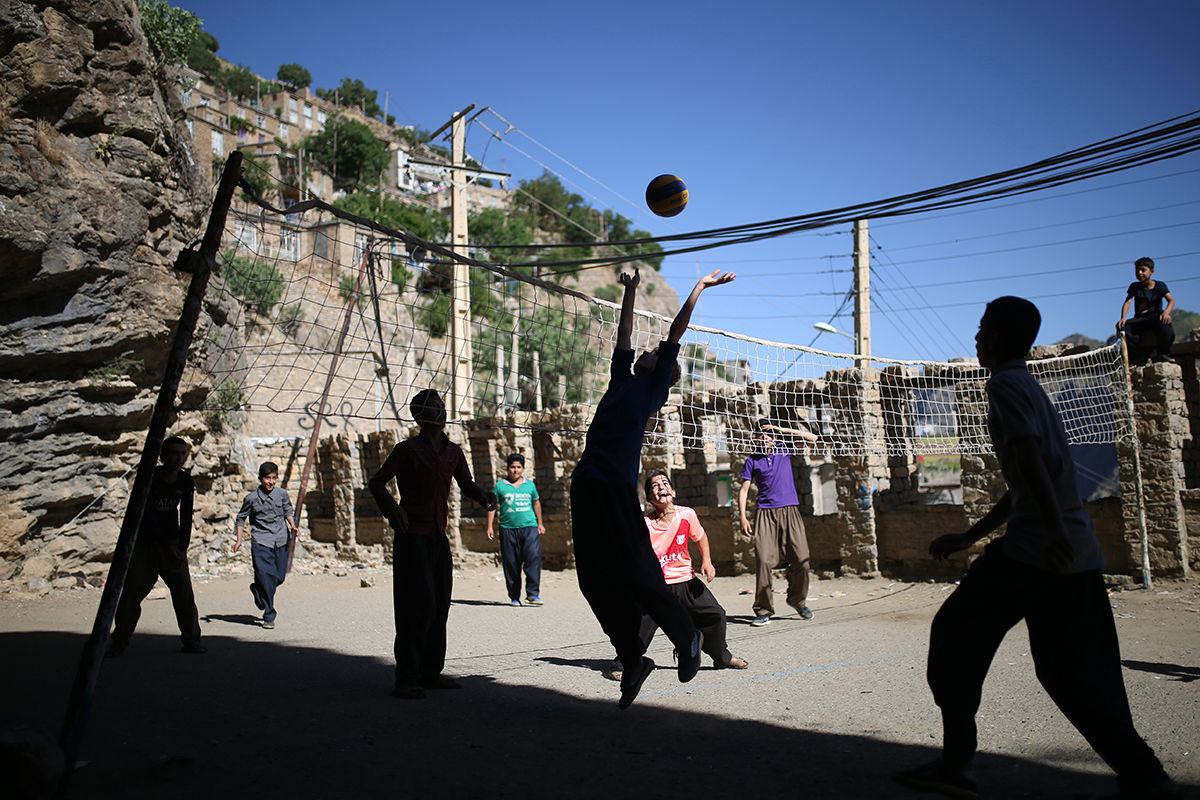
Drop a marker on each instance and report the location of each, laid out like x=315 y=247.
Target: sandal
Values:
x=736 y=663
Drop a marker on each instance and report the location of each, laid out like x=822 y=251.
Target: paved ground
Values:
x=826 y=710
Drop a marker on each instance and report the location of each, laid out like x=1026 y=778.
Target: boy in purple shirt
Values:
x=422 y=568
x=778 y=527
x=618 y=572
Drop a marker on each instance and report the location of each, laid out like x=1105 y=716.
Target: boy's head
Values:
x=763 y=437
x=174 y=452
x=1143 y=268
x=648 y=360
x=658 y=489
x=428 y=409
x=268 y=475
x=516 y=466
x=1006 y=331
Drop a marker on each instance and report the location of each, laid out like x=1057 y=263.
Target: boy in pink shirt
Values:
x=670 y=527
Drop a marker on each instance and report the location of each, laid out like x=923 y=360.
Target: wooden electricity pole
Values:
x=862 y=293
x=461 y=403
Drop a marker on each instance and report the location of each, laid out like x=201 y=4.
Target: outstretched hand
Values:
x=716 y=278
x=630 y=281
x=949 y=544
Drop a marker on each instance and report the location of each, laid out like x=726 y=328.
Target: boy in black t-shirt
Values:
x=1147 y=295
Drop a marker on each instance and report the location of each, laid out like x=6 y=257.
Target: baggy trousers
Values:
x=1073 y=642
x=707 y=615
x=618 y=573
x=149 y=561
x=780 y=532
x=270 y=570
x=422 y=580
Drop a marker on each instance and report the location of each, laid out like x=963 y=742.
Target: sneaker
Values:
x=269 y=625
x=631 y=683
x=689 y=662
x=534 y=601
x=805 y=612
x=514 y=602
x=937 y=777
x=760 y=620
x=258 y=601
x=408 y=693
x=193 y=647
x=440 y=682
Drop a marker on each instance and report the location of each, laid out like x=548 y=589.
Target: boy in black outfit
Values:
x=161 y=550
x=618 y=572
x=1045 y=569
x=1149 y=316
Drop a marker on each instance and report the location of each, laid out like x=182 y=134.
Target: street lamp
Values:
x=825 y=327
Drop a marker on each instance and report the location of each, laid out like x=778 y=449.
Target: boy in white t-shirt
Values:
x=670 y=528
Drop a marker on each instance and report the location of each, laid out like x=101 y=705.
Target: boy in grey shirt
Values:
x=267 y=511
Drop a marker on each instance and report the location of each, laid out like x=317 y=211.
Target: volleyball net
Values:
x=316 y=313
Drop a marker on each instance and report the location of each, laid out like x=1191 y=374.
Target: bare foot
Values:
x=736 y=663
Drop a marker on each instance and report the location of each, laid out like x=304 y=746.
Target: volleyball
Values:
x=667 y=195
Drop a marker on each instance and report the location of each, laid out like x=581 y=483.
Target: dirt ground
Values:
x=827 y=708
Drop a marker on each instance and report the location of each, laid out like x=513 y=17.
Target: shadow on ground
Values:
x=278 y=721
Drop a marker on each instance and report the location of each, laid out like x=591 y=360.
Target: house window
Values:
x=187 y=96
x=289 y=245
x=218 y=143
x=321 y=118
x=283 y=130
x=191 y=126
x=360 y=247
x=246 y=235
x=308 y=110
x=260 y=121
x=204 y=102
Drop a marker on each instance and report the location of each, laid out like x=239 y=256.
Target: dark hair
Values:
x=1144 y=261
x=652 y=476
x=762 y=423
x=515 y=458
x=267 y=468
x=174 y=441
x=421 y=399
x=1017 y=321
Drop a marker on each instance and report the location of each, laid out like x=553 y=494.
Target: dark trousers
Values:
x=1137 y=328
x=422 y=578
x=618 y=573
x=706 y=613
x=149 y=562
x=1073 y=642
x=270 y=568
x=521 y=548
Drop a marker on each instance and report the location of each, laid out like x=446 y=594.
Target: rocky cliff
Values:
x=98 y=193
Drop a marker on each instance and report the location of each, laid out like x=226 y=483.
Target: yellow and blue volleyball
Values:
x=667 y=195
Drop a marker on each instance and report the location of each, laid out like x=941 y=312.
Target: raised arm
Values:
x=625 y=326
x=803 y=433
x=684 y=317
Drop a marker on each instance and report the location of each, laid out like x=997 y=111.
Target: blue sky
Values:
x=774 y=109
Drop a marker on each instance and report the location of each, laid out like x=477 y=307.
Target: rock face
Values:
x=98 y=193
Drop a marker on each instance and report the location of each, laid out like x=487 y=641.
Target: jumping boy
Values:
x=1147 y=296
x=778 y=527
x=1045 y=569
x=422 y=569
x=618 y=572
x=521 y=529
x=670 y=528
x=267 y=512
x=161 y=551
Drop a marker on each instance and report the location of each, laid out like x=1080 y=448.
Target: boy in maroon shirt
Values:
x=422 y=570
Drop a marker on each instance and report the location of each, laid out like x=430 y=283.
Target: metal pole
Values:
x=200 y=265
x=315 y=437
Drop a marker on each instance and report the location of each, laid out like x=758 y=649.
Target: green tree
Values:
x=170 y=31
x=239 y=81
x=349 y=151
x=353 y=92
x=294 y=75
x=256 y=171
x=495 y=227
x=420 y=221
x=1184 y=322
x=201 y=54
x=258 y=283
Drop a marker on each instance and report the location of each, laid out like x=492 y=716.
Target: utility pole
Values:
x=862 y=293
x=461 y=403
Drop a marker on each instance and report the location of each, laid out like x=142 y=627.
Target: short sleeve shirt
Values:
x=772 y=474
x=516 y=504
x=1147 y=302
x=1018 y=408
x=670 y=543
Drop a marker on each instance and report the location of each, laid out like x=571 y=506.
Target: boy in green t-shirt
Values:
x=520 y=528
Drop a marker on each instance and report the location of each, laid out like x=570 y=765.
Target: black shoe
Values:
x=440 y=682
x=689 y=662
x=631 y=682
x=258 y=601
x=937 y=777
x=193 y=647
x=409 y=693
x=1163 y=359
